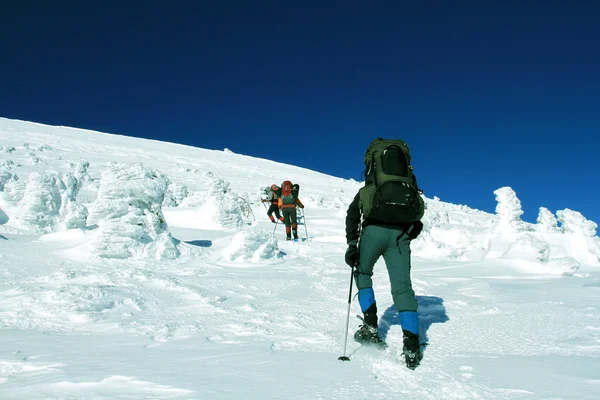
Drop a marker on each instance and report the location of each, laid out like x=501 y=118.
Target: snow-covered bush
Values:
x=435 y=215
x=72 y=213
x=218 y=206
x=546 y=221
x=7 y=149
x=251 y=245
x=8 y=164
x=5 y=177
x=244 y=203
x=14 y=190
x=48 y=201
x=41 y=201
x=81 y=171
x=44 y=147
x=129 y=215
x=508 y=211
x=175 y=195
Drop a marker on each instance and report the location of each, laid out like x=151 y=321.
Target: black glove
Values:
x=351 y=256
x=416 y=230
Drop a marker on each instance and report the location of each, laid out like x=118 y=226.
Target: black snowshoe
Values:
x=368 y=334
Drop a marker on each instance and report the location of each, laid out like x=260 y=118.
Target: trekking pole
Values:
x=304 y=218
x=276 y=222
x=344 y=357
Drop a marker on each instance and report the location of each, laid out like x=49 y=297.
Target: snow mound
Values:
x=129 y=215
x=252 y=245
x=47 y=202
x=529 y=248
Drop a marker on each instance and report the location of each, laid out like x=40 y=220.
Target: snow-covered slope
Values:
x=139 y=269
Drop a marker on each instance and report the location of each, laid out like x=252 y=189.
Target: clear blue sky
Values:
x=486 y=93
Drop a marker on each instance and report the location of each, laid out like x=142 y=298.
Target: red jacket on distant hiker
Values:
x=288 y=202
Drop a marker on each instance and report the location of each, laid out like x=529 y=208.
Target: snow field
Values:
x=174 y=286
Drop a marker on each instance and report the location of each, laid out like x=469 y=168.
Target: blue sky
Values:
x=487 y=94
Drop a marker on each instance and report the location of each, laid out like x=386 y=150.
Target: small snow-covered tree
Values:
x=72 y=213
x=81 y=171
x=546 y=221
x=228 y=213
x=5 y=177
x=48 y=201
x=508 y=210
x=128 y=212
x=175 y=195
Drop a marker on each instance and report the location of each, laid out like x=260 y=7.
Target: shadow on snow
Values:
x=431 y=310
x=200 y=243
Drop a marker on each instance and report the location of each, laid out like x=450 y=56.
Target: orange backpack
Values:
x=287 y=197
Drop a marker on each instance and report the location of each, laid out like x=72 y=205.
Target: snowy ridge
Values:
x=139 y=269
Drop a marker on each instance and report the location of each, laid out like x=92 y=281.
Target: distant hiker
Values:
x=273 y=192
x=391 y=207
x=288 y=201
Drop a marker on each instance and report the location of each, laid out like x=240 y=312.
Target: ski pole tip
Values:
x=344 y=358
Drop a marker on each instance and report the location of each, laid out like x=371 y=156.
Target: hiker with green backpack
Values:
x=383 y=218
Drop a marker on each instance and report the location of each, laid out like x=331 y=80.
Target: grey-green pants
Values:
x=376 y=241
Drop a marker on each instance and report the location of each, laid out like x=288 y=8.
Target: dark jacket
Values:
x=353 y=217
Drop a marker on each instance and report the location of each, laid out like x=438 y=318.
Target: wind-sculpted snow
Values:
x=129 y=216
x=252 y=245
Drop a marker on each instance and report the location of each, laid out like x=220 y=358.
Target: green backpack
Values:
x=391 y=194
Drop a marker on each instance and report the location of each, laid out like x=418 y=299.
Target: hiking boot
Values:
x=411 y=349
x=295 y=234
x=288 y=237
